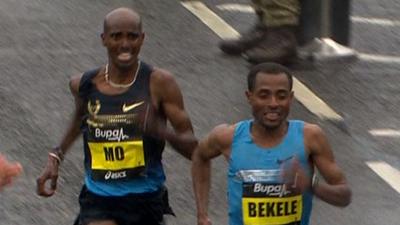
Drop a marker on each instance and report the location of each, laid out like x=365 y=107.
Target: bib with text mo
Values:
x=117 y=160
x=270 y=204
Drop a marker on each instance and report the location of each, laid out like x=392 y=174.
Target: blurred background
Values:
x=355 y=99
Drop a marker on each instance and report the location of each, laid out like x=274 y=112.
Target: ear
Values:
x=103 y=41
x=291 y=96
x=142 y=36
x=248 y=95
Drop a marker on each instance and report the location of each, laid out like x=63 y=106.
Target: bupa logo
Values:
x=271 y=190
x=111 y=135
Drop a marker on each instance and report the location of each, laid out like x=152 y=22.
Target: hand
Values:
x=295 y=177
x=8 y=171
x=203 y=221
x=50 y=173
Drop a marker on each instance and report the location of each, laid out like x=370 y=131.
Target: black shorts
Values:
x=142 y=209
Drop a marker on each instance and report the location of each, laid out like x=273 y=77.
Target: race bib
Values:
x=116 y=160
x=270 y=204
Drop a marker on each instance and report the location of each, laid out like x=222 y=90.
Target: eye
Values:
x=282 y=96
x=116 y=36
x=263 y=94
x=133 y=35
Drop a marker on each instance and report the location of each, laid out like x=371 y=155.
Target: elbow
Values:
x=193 y=145
x=349 y=195
x=186 y=146
x=194 y=156
x=198 y=160
x=346 y=198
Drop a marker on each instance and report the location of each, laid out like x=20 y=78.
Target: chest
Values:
x=246 y=155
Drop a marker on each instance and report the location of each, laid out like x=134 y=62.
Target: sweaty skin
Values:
x=123 y=38
x=270 y=99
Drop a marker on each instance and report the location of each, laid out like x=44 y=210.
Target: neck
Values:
x=269 y=133
x=122 y=75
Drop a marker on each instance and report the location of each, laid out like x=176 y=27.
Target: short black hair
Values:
x=269 y=68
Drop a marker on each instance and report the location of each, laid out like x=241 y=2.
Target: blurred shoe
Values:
x=279 y=45
x=245 y=42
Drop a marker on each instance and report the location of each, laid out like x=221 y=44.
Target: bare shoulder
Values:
x=314 y=137
x=164 y=88
x=218 y=141
x=223 y=134
x=74 y=83
x=161 y=76
x=312 y=130
x=220 y=138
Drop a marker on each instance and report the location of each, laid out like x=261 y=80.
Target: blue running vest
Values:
x=256 y=193
x=119 y=158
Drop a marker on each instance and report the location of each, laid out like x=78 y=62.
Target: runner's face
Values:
x=123 y=39
x=270 y=99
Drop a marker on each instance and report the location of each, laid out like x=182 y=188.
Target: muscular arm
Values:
x=50 y=172
x=217 y=142
x=169 y=97
x=73 y=130
x=335 y=191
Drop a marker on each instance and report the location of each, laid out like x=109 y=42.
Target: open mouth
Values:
x=125 y=56
x=272 y=116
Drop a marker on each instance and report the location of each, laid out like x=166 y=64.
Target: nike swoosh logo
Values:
x=280 y=161
x=126 y=108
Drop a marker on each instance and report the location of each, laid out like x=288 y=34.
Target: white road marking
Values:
x=305 y=96
x=378 y=58
x=309 y=99
x=376 y=21
x=214 y=22
x=244 y=8
x=385 y=132
x=388 y=173
x=312 y=102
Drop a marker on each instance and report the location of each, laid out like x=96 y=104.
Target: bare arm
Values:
x=51 y=170
x=335 y=191
x=73 y=130
x=216 y=143
x=169 y=98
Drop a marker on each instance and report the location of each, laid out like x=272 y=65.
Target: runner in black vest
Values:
x=122 y=109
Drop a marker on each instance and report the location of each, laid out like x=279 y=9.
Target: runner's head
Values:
x=123 y=37
x=270 y=94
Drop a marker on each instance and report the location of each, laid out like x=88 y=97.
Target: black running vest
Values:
x=115 y=147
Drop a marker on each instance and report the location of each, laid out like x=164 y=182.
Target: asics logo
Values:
x=115 y=175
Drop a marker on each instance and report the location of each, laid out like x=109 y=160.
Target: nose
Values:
x=273 y=102
x=124 y=42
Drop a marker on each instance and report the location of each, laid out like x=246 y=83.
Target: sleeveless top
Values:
x=119 y=158
x=256 y=193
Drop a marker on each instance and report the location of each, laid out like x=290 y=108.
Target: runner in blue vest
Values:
x=271 y=159
x=122 y=109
